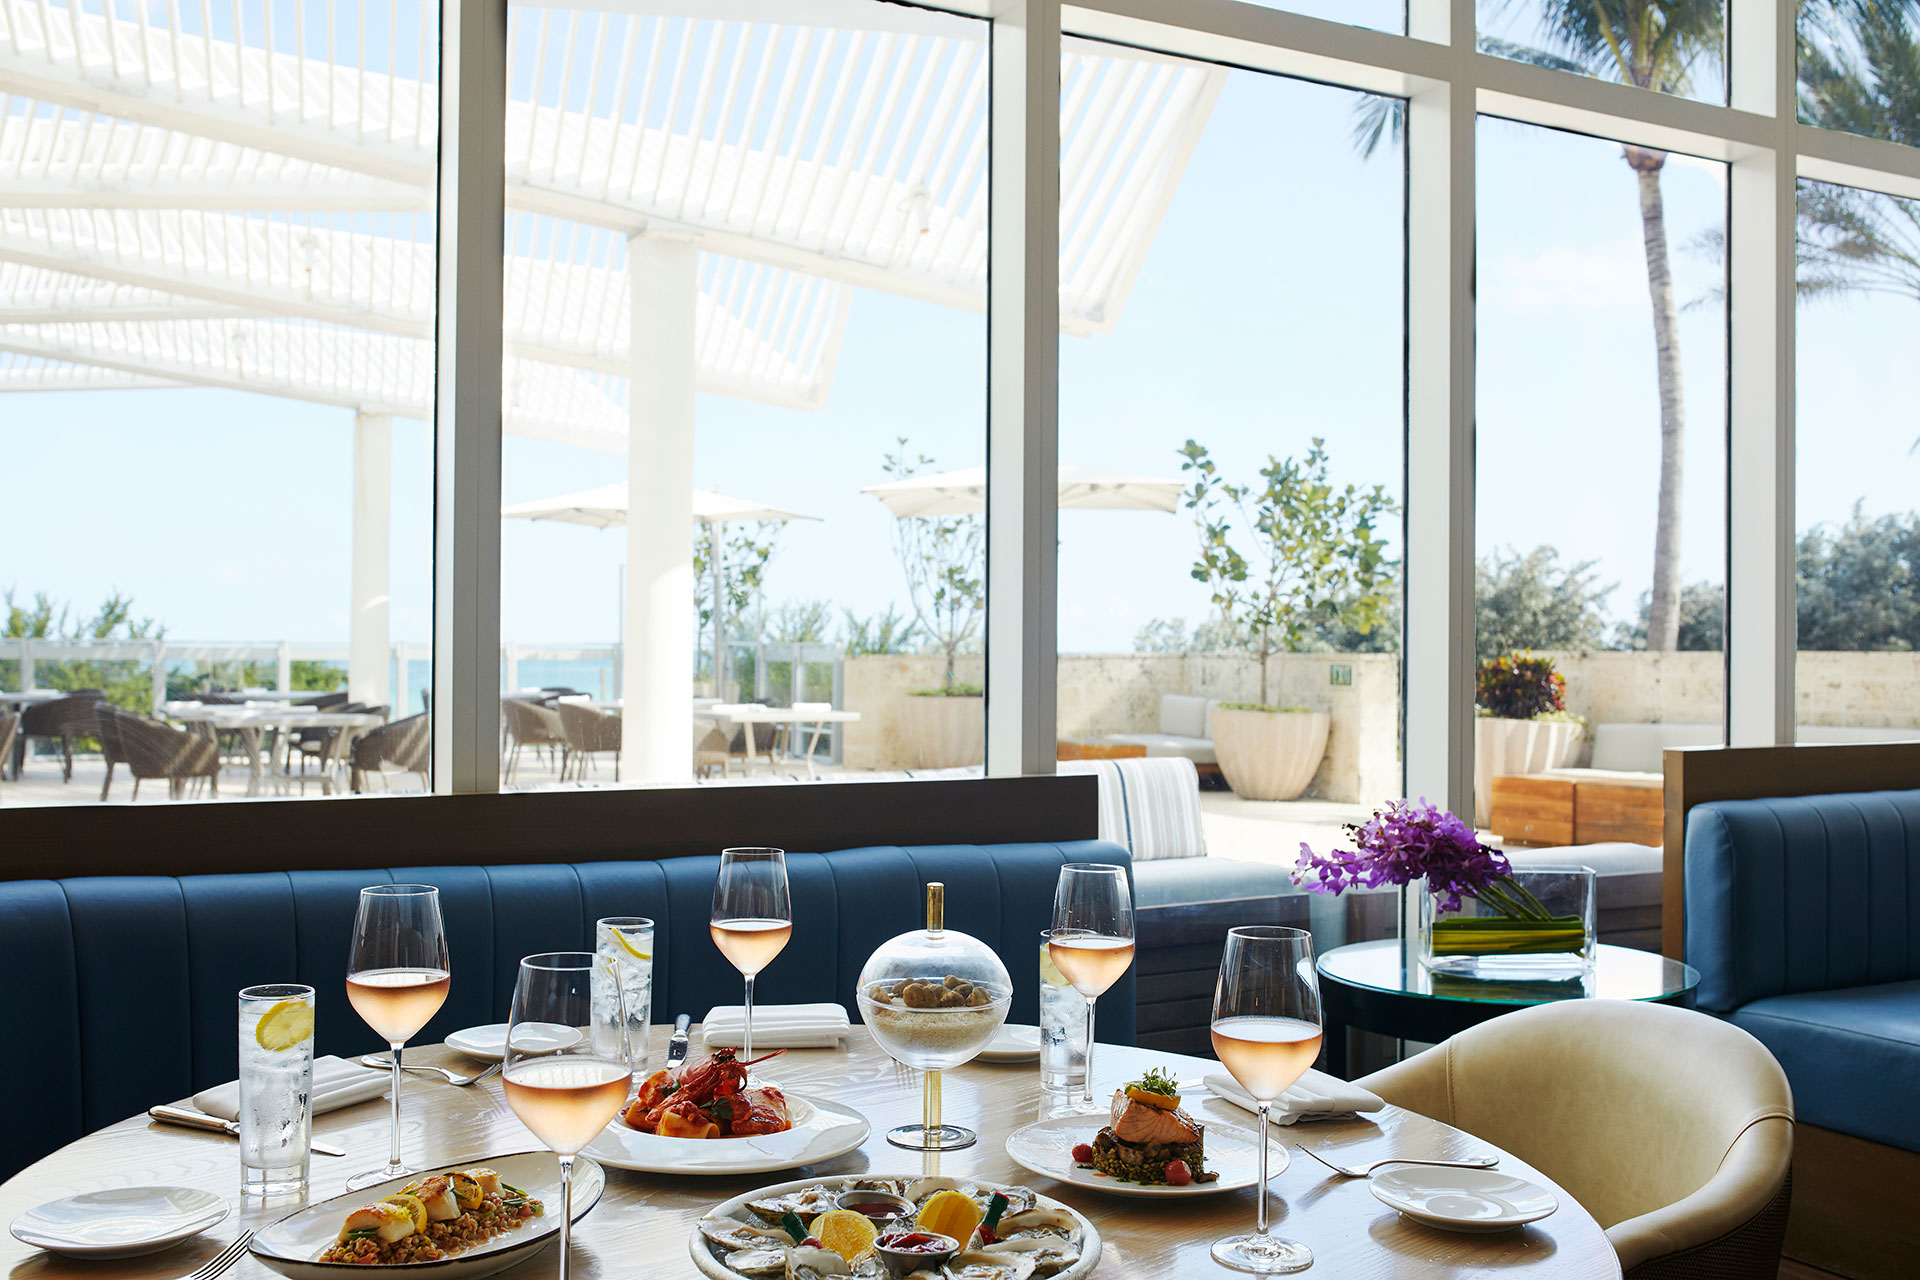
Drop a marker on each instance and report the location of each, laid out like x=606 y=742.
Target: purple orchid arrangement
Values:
x=1410 y=840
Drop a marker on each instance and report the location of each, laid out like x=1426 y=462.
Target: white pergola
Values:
x=191 y=195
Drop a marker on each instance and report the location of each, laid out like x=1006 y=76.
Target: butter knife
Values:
x=677 y=1047
x=214 y=1124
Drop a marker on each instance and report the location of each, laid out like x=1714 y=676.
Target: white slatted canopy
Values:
x=216 y=195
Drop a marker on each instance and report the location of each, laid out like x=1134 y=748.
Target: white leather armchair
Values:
x=1674 y=1129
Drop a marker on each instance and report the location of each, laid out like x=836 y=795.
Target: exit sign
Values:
x=1340 y=673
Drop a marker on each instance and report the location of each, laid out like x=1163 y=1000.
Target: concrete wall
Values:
x=1120 y=693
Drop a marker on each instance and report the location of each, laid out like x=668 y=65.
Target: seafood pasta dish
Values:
x=432 y=1218
x=709 y=1099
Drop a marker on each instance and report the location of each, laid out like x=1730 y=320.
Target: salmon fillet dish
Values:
x=1149 y=1139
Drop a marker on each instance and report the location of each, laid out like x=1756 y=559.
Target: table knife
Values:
x=214 y=1124
x=677 y=1047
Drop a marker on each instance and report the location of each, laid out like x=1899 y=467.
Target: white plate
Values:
x=1462 y=1199
x=292 y=1244
x=1013 y=1042
x=123 y=1223
x=706 y=1254
x=489 y=1043
x=1046 y=1147
x=821 y=1131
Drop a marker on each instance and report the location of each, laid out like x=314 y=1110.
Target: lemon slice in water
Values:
x=285 y=1025
x=626 y=945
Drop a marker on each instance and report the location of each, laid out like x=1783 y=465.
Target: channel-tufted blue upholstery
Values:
x=1803 y=917
x=133 y=978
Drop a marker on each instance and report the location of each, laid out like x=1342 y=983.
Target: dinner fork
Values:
x=1362 y=1170
x=386 y=1064
x=219 y=1262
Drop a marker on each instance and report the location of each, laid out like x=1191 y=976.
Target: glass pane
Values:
x=1600 y=480
x=1860 y=68
x=1381 y=15
x=746 y=284
x=1253 y=321
x=218 y=444
x=1668 y=46
x=1859 y=533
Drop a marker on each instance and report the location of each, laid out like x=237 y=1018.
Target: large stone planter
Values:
x=943 y=733
x=1505 y=747
x=1269 y=755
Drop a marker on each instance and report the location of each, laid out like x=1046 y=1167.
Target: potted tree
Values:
x=1520 y=723
x=943 y=557
x=1285 y=559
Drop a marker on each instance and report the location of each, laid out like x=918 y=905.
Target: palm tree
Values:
x=1651 y=44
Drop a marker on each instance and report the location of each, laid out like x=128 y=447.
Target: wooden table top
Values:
x=641 y=1226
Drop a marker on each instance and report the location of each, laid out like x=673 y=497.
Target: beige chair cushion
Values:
x=1671 y=1127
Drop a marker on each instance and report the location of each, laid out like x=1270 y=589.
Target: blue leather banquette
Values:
x=126 y=985
x=1803 y=917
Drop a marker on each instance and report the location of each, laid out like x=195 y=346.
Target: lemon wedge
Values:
x=849 y=1234
x=284 y=1026
x=626 y=945
x=948 y=1213
x=412 y=1205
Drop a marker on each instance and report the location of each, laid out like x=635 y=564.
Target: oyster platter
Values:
x=898 y=1228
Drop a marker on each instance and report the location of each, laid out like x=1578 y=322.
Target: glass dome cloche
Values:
x=933 y=999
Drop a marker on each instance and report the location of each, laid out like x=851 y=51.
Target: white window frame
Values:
x=1448 y=85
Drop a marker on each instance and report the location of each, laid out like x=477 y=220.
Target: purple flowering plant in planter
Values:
x=1406 y=841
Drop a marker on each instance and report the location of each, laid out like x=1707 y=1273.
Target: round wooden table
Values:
x=641 y=1226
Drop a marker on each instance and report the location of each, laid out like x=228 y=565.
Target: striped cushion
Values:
x=1151 y=806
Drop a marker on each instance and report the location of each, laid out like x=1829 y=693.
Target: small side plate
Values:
x=1013 y=1042
x=489 y=1043
x=123 y=1223
x=1462 y=1199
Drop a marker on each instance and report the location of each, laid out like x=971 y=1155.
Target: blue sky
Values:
x=1268 y=311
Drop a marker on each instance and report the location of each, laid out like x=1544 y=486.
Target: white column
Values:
x=657 y=685
x=1438 y=574
x=283 y=665
x=1023 y=388
x=1762 y=209
x=468 y=371
x=368 y=648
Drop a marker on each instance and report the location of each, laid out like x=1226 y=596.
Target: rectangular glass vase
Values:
x=1552 y=939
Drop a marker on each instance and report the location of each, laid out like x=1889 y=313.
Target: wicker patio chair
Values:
x=107 y=728
x=709 y=749
x=528 y=724
x=155 y=750
x=589 y=731
x=402 y=744
x=64 y=720
x=9 y=725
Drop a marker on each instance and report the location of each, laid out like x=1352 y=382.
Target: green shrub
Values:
x=1519 y=686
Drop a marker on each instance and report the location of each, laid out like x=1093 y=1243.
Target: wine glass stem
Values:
x=566 y=1213
x=393 y=1143
x=1087 y=1100
x=746 y=1036
x=1260 y=1191
x=930 y=1107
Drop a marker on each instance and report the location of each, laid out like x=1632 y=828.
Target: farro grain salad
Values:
x=432 y=1218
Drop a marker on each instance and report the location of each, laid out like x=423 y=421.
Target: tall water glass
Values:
x=626 y=942
x=568 y=1097
x=752 y=918
x=1092 y=942
x=1266 y=1032
x=276 y=1089
x=397 y=979
x=1063 y=1032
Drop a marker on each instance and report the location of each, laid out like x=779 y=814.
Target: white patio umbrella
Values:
x=964 y=492
x=606 y=508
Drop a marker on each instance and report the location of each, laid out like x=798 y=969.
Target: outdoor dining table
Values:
x=642 y=1224
x=749 y=713
x=250 y=723
x=28 y=697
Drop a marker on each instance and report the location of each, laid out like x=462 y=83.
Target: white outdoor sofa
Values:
x=1186 y=730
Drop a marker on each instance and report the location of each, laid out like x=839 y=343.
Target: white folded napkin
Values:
x=336 y=1083
x=777 y=1026
x=1317 y=1096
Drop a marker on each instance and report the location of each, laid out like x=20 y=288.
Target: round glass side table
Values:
x=1367 y=986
